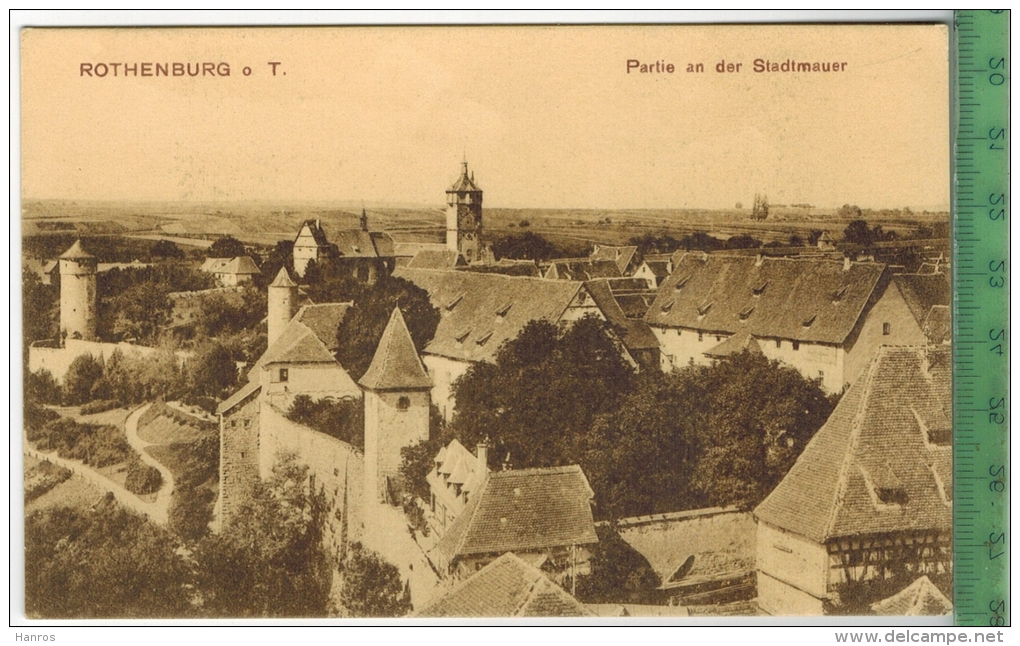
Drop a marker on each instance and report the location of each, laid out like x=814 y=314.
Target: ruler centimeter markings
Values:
x=980 y=267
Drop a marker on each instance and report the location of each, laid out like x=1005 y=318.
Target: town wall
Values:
x=239 y=458
x=389 y=426
x=58 y=360
x=792 y=572
x=318 y=381
x=335 y=468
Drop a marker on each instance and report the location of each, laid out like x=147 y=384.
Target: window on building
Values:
x=701 y=337
x=403 y=403
x=779 y=343
x=284 y=374
x=796 y=345
x=886 y=329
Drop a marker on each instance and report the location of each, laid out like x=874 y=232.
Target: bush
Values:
x=98 y=406
x=344 y=419
x=95 y=445
x=43 y=478
x=142 y=478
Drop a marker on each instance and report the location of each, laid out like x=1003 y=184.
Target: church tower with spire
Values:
x=464 y=216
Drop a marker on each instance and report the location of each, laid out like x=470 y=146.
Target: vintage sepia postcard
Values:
x=450 y=322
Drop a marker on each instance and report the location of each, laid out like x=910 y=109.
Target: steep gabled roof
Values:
x=883 y=461
x=297 y=344
x=396 y=365
x=315 y=231
x=409 y=249
x=581 y=269
x=481 y=311
x=523 y=510
x=212 y=264
x=240 y=265
x=323 y=320
x=436 y=259
x=622 y=256
x=817 y=301
x=922 y=292
x=507 y=587
x=355 y=243
x=634 y=333
x=75 y=252
x=455 y=458
x=659 y=268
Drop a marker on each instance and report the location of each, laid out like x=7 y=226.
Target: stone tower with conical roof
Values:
x=77 y=294
x=283 y=294
x=464 y=215
x=397 y=401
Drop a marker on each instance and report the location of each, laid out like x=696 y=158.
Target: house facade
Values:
x=457 y=475
x=311 y=245
x=871 y=496
x=822 y=317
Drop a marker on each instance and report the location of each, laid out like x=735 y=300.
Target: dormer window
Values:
x=809 y=321
x=485 y=337
x=667 y=306
x=453 y=303
x=759 y=289
x=892 y=495
x=680 y=283
x=463 y=335
x=746 y=313
x=838 y=296
x=703 y=310
x=503 y=310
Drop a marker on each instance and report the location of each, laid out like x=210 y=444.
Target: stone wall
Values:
x=335 y=468
x=239 y=458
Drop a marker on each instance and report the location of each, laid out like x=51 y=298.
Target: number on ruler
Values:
x=998 y=474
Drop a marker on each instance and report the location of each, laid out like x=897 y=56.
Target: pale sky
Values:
x=548 y=117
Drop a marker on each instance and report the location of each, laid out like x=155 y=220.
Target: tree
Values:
x=619 y=574
x=372 y=587
x=226 y=247
x=858 y=232
x=167 y=250
x=212 y=371
x=849 y=212
x=40 y=309
x=144 y=309
x=282 y=255
x=543 y=392
x=102 y=562
x=269 y=561
x=83 y=373
x=359 y=333
x=759 y=416
x=525 y=246
x=344 y=419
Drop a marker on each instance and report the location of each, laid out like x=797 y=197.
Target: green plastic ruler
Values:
x=981 y=320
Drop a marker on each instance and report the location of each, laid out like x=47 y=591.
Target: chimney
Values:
x=846 y=263
x=758 y=260
x=482 y=451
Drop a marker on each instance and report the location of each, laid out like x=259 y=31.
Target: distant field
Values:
x=265 y=224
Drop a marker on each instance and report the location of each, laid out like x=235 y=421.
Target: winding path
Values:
x=157 y=511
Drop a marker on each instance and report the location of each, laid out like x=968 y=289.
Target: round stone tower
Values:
x=283 y=294
x=77 y=294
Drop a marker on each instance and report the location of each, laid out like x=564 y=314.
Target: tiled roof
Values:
x=919 y=599
x=660 y=268
x=634 y=333
x=629 y=285
x=481 y=311
x=316 y=231
x=508 y=267
x=409 y=249
x=806 y=300
x=923 y=292
x=523 y=510
x=436 y=259
x=297 y=344
x=75 y=252
x=938 y=325
x=712 y=543
x=734 y=344
x=283 y=279
x=507 y=587
x=383 y=244
x=324 y=320
x=883 y=461
x=581 y=269
x=211 y=264
x=635 y=306
x=249 y=389
x=396 y=365
x=355 y=243
x=622 y=256
x=240 y=265
x=454 y=458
